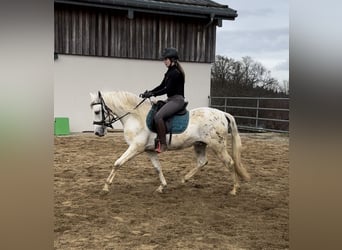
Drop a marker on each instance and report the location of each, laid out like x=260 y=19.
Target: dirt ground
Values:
x=200 y=214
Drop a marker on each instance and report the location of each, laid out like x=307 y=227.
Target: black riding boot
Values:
x=161 y=142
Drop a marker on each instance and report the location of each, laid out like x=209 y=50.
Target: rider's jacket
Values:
x=172 y=84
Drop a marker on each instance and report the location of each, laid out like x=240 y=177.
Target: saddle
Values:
x=175 y=124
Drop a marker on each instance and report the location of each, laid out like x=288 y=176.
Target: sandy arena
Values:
x=200 y=214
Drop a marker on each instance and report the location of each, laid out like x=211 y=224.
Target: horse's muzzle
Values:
x=99 y=134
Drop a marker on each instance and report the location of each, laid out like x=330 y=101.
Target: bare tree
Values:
x=245 y=73
x=286 y=87
x=222 y=68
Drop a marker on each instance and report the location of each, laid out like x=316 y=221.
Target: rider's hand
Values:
x=146 y=94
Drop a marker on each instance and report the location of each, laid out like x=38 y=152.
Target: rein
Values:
x=111 y=116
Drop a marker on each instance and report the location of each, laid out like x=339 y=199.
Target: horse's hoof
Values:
x=183 y=180
x=160 y=189
x=105 y=190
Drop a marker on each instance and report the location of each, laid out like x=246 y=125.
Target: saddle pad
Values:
x=177 y=125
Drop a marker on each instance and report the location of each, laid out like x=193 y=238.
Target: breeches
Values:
x=172 y=106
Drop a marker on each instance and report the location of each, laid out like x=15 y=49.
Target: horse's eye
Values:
x=97 y=112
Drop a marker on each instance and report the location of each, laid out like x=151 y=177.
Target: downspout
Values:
x=212 y=15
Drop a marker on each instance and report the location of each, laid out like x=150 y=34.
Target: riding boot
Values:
x=161 y=142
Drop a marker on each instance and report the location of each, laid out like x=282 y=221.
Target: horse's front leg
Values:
x=132 y=151
x=156 y=164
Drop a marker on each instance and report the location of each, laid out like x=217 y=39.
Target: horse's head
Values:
x=103 y=116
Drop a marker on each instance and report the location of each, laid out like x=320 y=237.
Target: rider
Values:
x=173 y=86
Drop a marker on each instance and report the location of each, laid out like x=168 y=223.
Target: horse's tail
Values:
x=236 y=145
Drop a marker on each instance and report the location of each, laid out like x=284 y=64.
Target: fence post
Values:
x=225 y=104
x=257 y=114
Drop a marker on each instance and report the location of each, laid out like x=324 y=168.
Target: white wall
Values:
x=76 y=76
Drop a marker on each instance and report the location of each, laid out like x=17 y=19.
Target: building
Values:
x=112 y=45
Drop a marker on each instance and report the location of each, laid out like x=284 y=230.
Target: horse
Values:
x=207 y=128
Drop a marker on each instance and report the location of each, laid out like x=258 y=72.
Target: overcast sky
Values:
x=260 y=31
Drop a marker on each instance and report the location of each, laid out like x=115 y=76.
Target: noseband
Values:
x=108 y=114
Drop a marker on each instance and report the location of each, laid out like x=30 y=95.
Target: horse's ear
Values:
x=99 y=94
x=92 y=96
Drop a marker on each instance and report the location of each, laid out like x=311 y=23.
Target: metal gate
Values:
x=256 y=113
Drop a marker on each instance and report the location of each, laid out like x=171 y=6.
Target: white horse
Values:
x=207 y=127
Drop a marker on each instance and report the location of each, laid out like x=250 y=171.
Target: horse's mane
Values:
x=126 y=101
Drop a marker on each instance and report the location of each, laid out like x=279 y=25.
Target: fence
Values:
x=256 y=113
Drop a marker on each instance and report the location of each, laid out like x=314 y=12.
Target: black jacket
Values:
x=172 y=84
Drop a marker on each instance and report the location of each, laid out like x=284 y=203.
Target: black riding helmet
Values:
x=170 y=53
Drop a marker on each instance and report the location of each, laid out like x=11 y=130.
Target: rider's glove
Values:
x=146 y=94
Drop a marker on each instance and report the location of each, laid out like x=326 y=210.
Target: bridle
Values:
x=108 y=116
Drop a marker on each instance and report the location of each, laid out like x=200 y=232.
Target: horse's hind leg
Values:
x=155 y=162
x=236 y=183
x=200 y=151
x=222 y=153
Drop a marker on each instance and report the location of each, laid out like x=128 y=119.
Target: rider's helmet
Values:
x=170 y=53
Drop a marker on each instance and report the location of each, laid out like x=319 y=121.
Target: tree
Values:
x=242 y=76
x=222 y=68
x=285 y=88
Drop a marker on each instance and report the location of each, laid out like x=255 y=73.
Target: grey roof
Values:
x=193 y=8
x=206 y=3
